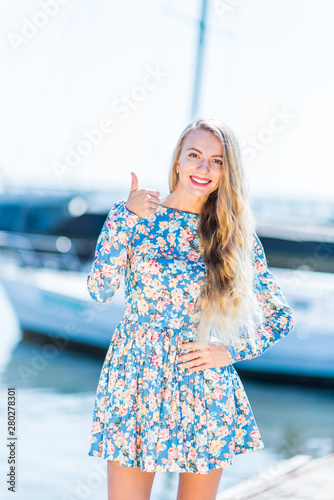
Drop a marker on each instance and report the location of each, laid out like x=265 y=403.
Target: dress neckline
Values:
x=180 y=211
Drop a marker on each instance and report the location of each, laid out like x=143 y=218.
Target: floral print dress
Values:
x=148 y=412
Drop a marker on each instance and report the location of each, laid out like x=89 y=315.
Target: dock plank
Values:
x=298 y=478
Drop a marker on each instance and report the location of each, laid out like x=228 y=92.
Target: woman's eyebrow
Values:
x=221 y=156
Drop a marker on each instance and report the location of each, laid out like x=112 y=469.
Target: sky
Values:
x=91 y=91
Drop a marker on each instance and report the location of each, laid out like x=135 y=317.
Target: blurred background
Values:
x=91 y=91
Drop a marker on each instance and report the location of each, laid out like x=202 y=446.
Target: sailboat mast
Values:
x=199 y=60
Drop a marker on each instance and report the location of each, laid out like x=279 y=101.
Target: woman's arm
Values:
x=111 y=252
x=279 y=320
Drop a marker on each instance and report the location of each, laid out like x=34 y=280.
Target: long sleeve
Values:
x=111 y=252
x=279 y=320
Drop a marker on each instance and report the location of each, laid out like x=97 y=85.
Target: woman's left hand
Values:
x=202 y=357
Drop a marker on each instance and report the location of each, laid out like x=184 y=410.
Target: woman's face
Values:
x=200 y=163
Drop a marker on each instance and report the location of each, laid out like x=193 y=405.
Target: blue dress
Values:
x=148 y=413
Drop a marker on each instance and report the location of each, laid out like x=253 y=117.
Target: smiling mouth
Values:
x=197 y=181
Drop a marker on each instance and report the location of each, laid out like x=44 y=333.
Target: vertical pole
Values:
x=199 y=61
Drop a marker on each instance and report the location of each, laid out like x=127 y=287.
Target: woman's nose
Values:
x=204 y=165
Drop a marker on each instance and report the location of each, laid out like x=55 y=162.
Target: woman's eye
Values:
x=216 y=160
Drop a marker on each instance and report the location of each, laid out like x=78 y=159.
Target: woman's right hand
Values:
x=142 y=202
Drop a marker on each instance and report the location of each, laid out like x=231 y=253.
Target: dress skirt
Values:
x=150 y=414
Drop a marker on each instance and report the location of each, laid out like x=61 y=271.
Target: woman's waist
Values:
x=161 y=321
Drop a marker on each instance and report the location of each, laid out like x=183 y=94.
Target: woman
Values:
x=198 y=298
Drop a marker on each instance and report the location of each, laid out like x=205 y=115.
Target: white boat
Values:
x=55 y=306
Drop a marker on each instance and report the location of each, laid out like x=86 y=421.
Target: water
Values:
x=55 y=393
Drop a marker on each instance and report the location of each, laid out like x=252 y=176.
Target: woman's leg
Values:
x=128 y=483
x=198 y=486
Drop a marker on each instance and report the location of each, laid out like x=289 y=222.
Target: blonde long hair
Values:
x=228 y=306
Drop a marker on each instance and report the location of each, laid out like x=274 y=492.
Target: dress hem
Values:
x=176 y=468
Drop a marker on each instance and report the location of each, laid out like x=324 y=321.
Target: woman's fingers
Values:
x=193 y=364
x=142 y=202
x=188 y=359
x=210 y=357
x=191 y=346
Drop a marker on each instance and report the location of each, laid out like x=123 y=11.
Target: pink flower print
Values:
x=149 y=465
x=198 y=406
x=143 y=306
x=164 y=435
x=132 y=449
x=231 y=445
x=173 y=452
x=261 y=298
x=131 y=220
x=213 y=375
x=96 y=427
x=112 y=380
x=255 y=435
x=155 y=295
x=215 y=446
x=190 y=398
x=186 y=234
x=229 y=419
x=194 y=257
x=242 y=420
x=190 y=308
x=202 y=467
x=239 y=393
x=146 y=279
x=245 y=408
x=224 y=431
x=272 y=287
x=259 y=267
x=161 y=306
x=106 y=270
x=111 y=224
x=122 y=410
x=192 y=453
x=106 y=247
x=155 y=335
x=217 y=394
x=239 y=434
x=172 y=423
x=154 y=267
x=122 y=238
x=167 y=394
x=184 y=245
x=156 y=360
x=171 y=238
x=120 y=383
x=110 y=448
x=177 y=297
x=119 y=439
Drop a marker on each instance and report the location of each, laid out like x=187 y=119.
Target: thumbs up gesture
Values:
x=142 y=202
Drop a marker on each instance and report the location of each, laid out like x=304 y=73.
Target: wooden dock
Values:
x=298 y=478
